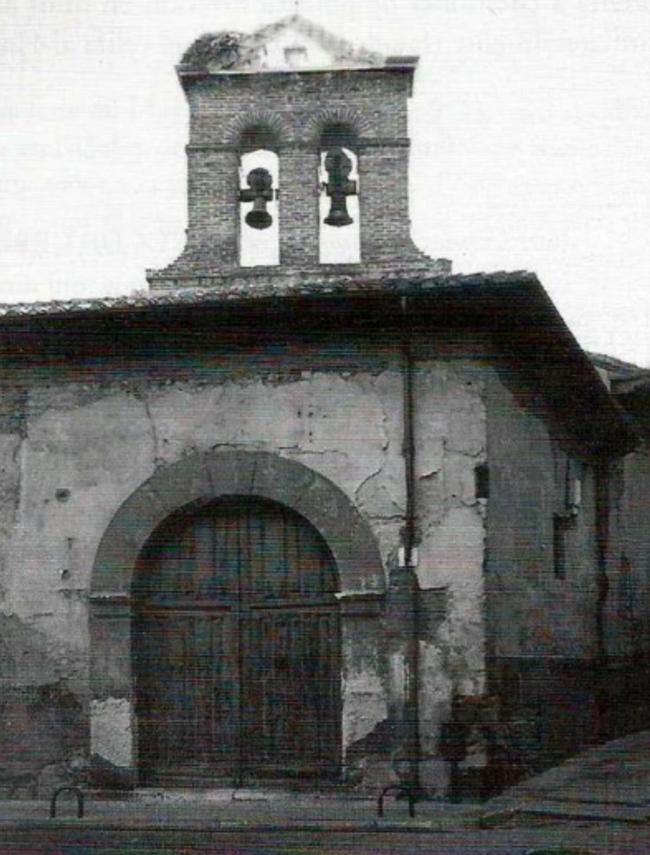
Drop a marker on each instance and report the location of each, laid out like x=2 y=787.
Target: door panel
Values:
x=237 y=648
x=291 y=696
x=188 y=693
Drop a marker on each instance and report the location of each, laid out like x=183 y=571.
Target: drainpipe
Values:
x=408 y=554
x=601 y=473
x=602 y=539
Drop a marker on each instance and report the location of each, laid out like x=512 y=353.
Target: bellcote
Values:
x=298 y=142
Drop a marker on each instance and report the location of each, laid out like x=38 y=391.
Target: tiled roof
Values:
x=617 y=368
x=239 y=289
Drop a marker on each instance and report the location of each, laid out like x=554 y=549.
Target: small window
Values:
x=561 y=528
x=482 y=481
x=295 y=56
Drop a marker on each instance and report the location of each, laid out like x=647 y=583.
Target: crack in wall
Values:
x=426 y=476
x=13 y=499
x=17 y=460
x=367 y=480
x=141 y=396
x=297 y=449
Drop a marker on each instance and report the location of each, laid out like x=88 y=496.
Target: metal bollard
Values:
x=80 y=800
x=401 y=788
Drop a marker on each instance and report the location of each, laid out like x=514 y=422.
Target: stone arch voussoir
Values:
x=200 y=478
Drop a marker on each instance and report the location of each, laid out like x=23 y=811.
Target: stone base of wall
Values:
x=624 y=693
x=550 y=709
x=42 y=740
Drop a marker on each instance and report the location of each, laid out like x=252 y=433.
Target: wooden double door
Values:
x=236 y=642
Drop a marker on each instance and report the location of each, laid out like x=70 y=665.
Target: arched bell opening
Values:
x=340 y=232
x=236 y=647
x=259 y=235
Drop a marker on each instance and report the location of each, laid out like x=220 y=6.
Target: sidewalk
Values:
x=241 y=810
x=610 y=782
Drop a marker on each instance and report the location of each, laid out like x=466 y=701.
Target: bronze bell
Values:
x=338 y=215
x=339 y=166
x=260 y=183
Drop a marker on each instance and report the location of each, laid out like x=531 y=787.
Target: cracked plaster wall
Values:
x=85 y=450
x=451 y=442
x=82 y=448
x=78 y=463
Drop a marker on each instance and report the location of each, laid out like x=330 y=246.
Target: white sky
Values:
x=530 y=125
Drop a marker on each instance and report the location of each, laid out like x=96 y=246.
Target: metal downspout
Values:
x=602 y=677
x=602 y=546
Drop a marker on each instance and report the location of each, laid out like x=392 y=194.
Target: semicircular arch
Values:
x=203 y=477
x=355 y=124
x=256 y=129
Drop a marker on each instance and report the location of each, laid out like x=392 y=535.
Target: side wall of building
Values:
x=543 y=581
x=633 y=583
x=626 y=625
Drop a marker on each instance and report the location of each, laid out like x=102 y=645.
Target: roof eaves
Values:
x=515 y=303
x=618 y=368
x=241 y=291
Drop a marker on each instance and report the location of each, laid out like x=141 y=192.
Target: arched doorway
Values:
x=197 y=480
x=236 y=647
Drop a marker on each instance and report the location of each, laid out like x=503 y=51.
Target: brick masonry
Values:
x=289 y=113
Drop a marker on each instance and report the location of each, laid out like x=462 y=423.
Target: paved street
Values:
x=598 y=802
x=611 y=781
x=515 y=839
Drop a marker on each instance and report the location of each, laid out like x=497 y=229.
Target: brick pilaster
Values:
x=383 y=201
x=298 y=206
x=213 y=205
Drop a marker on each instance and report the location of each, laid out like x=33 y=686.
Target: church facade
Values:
x=338 y=519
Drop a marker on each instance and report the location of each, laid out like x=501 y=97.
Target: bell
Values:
x=260 y=183
x=339 y=187
x=338 y=215
x=259 y=217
